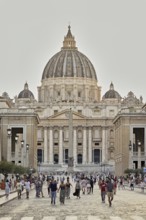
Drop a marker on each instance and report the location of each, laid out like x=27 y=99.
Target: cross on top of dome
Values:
x=69 y=34
x=69 y=41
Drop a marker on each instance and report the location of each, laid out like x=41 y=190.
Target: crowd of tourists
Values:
x=81 y=185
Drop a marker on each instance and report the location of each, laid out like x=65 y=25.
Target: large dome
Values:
x=69 y=62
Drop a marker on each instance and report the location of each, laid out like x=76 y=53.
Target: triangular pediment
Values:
x=65 y=115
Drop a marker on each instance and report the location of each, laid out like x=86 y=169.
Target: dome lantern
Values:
x=69 y=41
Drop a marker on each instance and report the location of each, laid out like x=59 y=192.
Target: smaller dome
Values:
x=26 y=93
x=111 y=93
x=5 y=95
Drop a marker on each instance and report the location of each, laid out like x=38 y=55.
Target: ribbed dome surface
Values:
x=26 y=93
x=69 y=62
x=111 y=93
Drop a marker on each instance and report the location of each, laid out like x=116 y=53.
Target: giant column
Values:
x=90 y=146
x=45 y=145
x=84 y=146
x=51 y=146
x=103 y=145
x=75 y=145
x=60 y=147
x=70 y=158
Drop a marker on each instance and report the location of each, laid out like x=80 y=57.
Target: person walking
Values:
x=62 y=189
x=48 y=187
x=27 y=188
x=68 y=185
x=77 y=189
x=41 y=188
x=38 y=186
x=88 y=187
x=53 y=188
x=110 y=191
x=103 y=190
x=19 y=188
x=91 y=184
x=7 y=188
x=132 y=184
x=13 y=183
x=83 y=185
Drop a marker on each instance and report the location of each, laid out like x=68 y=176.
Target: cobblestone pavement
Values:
x=127 y=205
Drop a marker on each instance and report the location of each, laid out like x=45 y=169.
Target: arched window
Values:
x=79 y=158
x=55 y=158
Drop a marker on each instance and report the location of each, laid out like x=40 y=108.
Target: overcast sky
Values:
x=111 y=33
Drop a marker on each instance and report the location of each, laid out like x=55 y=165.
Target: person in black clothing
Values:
x=53 y=188
x=92 y=184
x=110 y=191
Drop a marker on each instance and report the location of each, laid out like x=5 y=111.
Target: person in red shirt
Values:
x=103 y=190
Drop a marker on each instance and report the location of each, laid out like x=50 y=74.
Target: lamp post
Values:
x=139 y=154
x=16 y=148
x=27 y=152
x=130 y=156
x=22 y=152
x=9 y=132
x=39 y=164
x=22 y=143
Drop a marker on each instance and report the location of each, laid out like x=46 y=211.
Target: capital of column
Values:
x=45 y=128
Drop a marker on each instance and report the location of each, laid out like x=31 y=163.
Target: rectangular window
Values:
x=66 y=134
x=97 y=112
x=39 y=134
x=55 y=112
x=80 y=111
x=79 y=94
x=111 y=113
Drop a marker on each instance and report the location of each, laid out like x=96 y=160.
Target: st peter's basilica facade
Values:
x=70 y=120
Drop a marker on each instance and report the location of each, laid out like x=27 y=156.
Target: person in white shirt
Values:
x=27 y=188
x=142 y=185
x=19 y=188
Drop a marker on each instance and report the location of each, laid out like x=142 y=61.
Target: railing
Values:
x=141 y=154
